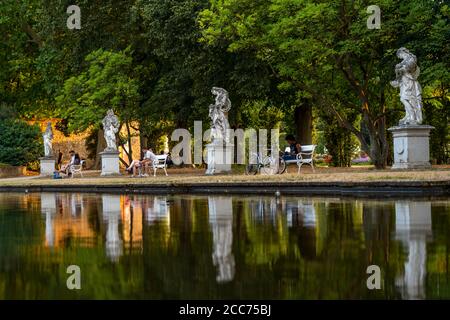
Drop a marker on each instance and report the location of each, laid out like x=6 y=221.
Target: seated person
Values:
x=294 y=148
x=74 y=160
x=134 y=167
x=169 y=161
x=149 y=157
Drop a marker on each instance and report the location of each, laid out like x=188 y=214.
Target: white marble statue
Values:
x=218 y=113
x=111 y=126
x=48 y=137
x=406 y=73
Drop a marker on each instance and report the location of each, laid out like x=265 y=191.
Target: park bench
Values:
x=77 y=168
x=160 y=163
x=305 y=156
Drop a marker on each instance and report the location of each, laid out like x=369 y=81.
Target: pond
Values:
x=222 y=247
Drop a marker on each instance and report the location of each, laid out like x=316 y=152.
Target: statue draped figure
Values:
x=48 y=137
x=218 y=113
x=111 y=126
x=406 y=73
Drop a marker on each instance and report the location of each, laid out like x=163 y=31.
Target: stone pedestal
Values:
x=219 y=158
x=47 y=166
x=110 y=163
x=411 y=146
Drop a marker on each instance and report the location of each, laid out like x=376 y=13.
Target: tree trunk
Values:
x=303 y=123
x=143 y=142
x=101 y=145
x=130 y=147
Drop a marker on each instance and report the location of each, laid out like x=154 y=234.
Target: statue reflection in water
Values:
x=111 y=217
x=413 y=229
x=221 y=220
x=48 y=208
x=159 y=211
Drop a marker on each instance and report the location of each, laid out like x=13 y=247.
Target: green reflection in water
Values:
x=214 y=247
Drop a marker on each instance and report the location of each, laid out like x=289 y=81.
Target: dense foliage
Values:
x=274 y=57
x=20 y=143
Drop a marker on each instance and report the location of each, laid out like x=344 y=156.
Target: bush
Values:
x=20 y=143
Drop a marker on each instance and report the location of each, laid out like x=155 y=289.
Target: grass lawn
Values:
x=195 y=176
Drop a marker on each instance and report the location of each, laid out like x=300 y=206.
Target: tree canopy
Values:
x=156 y=61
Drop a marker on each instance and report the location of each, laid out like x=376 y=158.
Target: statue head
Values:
x=49 y=128
x=218 y=91
x=404 y=53
x=110 y=112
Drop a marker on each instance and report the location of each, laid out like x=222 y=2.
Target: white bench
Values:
x=160 y=163
x=77 y=168
x=306 y=156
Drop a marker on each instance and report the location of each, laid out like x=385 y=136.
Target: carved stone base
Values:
x=110 y=163
x=219 y=158
x=411 y=146
x=47 y=166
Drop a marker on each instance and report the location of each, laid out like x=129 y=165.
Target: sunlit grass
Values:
x=196 y=176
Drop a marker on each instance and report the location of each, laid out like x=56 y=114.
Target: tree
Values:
x=20 y=143
x=324 y=50
x=108 y=83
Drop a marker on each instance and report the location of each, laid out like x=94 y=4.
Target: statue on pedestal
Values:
x=406 y=73
x=111 y=126
x=218 y=113
x=48 y=137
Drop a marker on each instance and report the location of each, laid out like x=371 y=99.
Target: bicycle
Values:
x=265 y=165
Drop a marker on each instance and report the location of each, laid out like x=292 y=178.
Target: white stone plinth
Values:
x=219 y=158
x=110 y=163
x=47 y=166
x=411 y=146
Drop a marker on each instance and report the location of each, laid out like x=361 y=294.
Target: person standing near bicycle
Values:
x=294 y=148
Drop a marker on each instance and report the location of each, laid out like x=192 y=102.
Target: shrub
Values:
x=20 y=143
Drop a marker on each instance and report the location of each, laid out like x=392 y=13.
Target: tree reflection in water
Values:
x=255 y=247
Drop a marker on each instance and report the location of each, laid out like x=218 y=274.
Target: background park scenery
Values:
x=95 y=76
x=311 y=68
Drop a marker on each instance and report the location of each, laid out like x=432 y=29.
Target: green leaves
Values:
x=20 y=143
x=108 y=82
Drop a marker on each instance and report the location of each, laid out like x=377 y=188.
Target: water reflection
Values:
x=48 y=209
x=111 y=217
x=254 y=247
x=413 y=228
x=221 y=220
x=159 y=212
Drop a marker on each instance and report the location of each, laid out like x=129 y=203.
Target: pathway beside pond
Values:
x=188 y=176
x=326 y=181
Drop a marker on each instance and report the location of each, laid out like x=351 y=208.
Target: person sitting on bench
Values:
x=74 y=160
x=148 y=159
x=294 y=148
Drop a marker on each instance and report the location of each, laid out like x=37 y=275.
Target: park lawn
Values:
x=196 y=176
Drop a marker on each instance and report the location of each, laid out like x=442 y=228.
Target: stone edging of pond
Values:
x=354 y=189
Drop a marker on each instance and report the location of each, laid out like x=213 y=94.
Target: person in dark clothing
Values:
x=294 y=148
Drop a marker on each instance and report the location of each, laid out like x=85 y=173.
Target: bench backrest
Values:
x=162 y=159
x=308 y=148
x=82 y=162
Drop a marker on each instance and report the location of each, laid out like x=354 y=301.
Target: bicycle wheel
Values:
x=251 y=169
x=268 y=166
x=281 y=165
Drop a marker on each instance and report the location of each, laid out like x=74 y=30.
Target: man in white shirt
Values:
x=149 y=157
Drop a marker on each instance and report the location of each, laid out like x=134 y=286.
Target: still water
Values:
x=221 y=247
